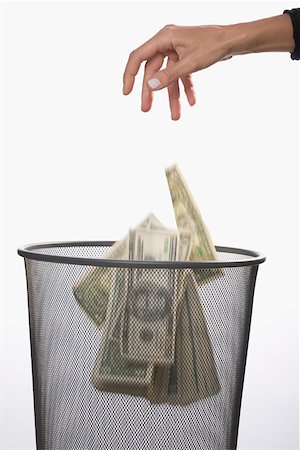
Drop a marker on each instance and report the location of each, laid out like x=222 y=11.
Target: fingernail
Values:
x=154 y=83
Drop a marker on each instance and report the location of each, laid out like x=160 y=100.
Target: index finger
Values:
x=143 y=53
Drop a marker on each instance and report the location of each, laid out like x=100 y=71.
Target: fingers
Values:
x=165 y=77
x=189 y=88
x=142 y=53
x=174 y=94
x=153 y=52
x=151 y=66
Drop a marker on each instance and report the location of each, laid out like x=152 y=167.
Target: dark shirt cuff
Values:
x=295 y=18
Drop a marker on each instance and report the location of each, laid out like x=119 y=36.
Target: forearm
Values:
x=274 y=34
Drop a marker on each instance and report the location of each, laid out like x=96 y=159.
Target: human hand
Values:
x=187 y=50
x=191 y=48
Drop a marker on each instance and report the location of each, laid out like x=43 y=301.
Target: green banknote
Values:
x=188 y=217
x=193 y=375
x=112 y=372
x=92 y=290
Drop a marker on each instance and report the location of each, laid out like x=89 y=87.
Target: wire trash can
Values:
x=115 y=370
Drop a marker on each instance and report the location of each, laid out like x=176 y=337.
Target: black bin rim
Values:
x=252 y=258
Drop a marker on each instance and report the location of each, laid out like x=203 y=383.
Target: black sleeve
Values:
x=295 y=18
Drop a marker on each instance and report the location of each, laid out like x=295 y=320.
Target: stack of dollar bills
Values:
x=155 y=341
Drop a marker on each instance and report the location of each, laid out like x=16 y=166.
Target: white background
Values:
x=82 y=162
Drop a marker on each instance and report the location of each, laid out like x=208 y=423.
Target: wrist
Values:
x=274 y=34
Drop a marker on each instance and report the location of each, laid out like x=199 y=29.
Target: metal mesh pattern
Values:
x=72 y=313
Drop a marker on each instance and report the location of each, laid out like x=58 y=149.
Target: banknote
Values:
x=112 y=372
x=92 y=290
x=188 y=217
x=193 y=375
x=149 y=323
x=176 y=384
x=155 y=341
x=185 y=245
x=153 y=245
x=208 y=381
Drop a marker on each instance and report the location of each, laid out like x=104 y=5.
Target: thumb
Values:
x=164 y=77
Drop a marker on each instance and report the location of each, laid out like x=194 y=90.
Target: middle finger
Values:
x=174 y=95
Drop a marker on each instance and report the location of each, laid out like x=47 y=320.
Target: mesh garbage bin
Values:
x=137 y=355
